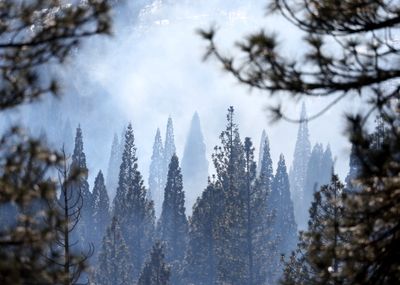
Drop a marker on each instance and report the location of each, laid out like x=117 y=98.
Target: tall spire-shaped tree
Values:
x=101 y=209
x=261 y=151
x=298 y=171
x=156 y=173
x=194 y=163
x=169 y=148
x=285 y=224
x=309 y=264
x=319 y=172
x=114 y=266
x=78 y=164
x=266 y=174
x=132 y=207
x=113 y=166
x=241 y=235
x=173 y=226
x=312 y=183
x=126 y=171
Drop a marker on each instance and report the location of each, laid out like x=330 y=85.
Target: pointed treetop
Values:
x=196 y=116
x=282 y=163
x=158 y=133
x=263 y=135
x=303 y=115
x=169 y=140
x=231 y=111
x=195 y=124
x=100 y=176
x=157 y=146
x=78 y=156
x=261 y=150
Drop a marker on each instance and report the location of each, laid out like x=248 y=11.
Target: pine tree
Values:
x=194 y=163
x=78 y=164
x=173 y=226
x=319 y=172
x=266 y=211
x=156 y=172
x=126 y=171
x=113 y=166
x=201 y=259
x=101 y=209
x=261 y=151
x=155 y=271
x=362 y=63
x=314 y=261
x=312 y=183
x=242 y=235
x=230 y=165
x=284 y=222
x=298 y=170
x=266 y=174
x=169 y=149
x=114 y=265
x=131 y=206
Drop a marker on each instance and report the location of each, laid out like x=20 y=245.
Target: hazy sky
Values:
x=154 y=70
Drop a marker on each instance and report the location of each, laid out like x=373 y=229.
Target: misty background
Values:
x=152 y=69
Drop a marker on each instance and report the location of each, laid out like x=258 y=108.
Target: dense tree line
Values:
x=351 y=49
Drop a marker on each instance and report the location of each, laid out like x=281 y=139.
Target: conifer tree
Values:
x=242 y=234
x=101 y=209
x=131 y=206
x=201 y=259
x=194 y=163
x=284 y=221
x=169 y=145
x=172 y=227
x=298 y=171
x=314 y=261
x=78 y=164
x=114 y=265
x=155 y=271
x=169 y=148
x=360 y=34
x=266 y=210
x=113 y=166
x=230 y=165
x=156 y=172
x=126 y=171
x=266 y=174
x=319 y=172
x=70 y=206
x=261 y=151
